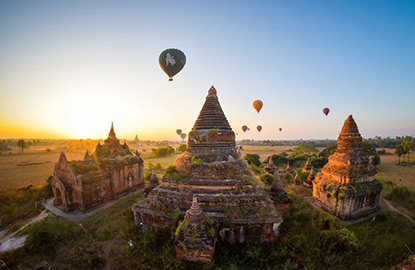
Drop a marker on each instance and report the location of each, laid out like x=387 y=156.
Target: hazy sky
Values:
x=70 y=68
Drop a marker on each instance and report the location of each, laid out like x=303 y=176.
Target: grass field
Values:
x=403 y=175
x=14 y=176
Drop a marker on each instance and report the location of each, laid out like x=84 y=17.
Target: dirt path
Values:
x=390 y=206
x=9 y=241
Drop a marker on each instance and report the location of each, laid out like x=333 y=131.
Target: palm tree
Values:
x=399 y=151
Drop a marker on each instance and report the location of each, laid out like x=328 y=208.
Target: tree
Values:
x=399 y=152
x=407 y=145
x=304 y=149
x=21 y=143
x=182 y=148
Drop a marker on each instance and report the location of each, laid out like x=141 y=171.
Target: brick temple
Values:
x=110 y=171
x=226 y=190
x=346 y=186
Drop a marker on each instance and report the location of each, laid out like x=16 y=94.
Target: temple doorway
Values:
x=58 y=197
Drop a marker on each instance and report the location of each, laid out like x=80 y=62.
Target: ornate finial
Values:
x=195 y=213
x=212 y=91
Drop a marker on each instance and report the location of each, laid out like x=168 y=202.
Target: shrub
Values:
x=277 y=159
x=46 y=234
x=253 y=159
x=162 y=151
x=267 y=178
x=375 y=160
x=196 y=160
x=182 y=148
x=173 y=173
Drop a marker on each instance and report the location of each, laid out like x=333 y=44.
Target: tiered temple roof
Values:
x=349 y=163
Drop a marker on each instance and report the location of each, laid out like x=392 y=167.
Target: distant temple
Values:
x=307 y=165
x=310 y=178
x=346 y=186
x=110 y=171
x=270 y=168
x=234 y=210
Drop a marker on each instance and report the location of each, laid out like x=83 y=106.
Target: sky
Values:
x=70 y=68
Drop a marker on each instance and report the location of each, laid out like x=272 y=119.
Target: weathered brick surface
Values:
x=346 y=186
x=118 y=171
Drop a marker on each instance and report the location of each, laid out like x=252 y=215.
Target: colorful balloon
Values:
x=258 y=105
x=244 y=128
x=326 y=111
x=172 y=61
x=280 y=129
x=183 y=136
x=179 y=131
x=259 y=128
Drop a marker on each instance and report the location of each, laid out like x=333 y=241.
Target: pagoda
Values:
x=346 y=185
x=310 y=178
x=226 y=190
x=195 y=237
x=277 y=192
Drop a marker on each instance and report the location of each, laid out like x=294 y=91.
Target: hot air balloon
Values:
x=280 y=129
x=244 y=128
x=258 y=105
x=326 y=111
x=172 y=61
x=183 y=136
x=259 y=128
x=179 y=131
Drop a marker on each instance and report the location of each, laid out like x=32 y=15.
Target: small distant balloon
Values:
x=280 y=129
x=183 y=136
x=179 y=131
x=172 y=62
x=259 y=128
x=326 y=111
x=244 y=128
x=258 y=105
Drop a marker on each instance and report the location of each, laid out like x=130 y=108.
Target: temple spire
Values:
x=111 y=135
x=211 y=116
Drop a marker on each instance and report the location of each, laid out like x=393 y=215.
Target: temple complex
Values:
x=310 y=178
x=226 y=190
x=195 y=237
x=346 y=185
x=110 y=171
x=307 y=166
